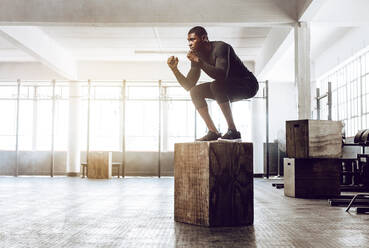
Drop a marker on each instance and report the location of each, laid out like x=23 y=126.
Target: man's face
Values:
x=194 y=42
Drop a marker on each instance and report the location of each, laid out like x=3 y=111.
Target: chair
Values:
x=84 y=168
x=117 y=165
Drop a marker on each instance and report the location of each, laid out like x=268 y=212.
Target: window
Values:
x=105 y=118
x=179 y=113
x=105 y=115
x=350 y=93
x=44 y=115
x=142 y=118
x=145 y=111
x=8 y=113
x=142 y=122
x=61 y=117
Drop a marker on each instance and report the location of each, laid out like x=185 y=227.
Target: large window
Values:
x=142 y=117
x=105 y=118
x=61 y=116
x=43 y=123
x=35 y=116
x=179 y=112
x=350 y=93
x=8 y=113
x=154 y=117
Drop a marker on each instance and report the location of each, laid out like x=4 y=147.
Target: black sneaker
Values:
x=210 y=136
x=232 y=135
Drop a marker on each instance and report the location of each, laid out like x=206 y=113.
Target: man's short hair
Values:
x=199 y=31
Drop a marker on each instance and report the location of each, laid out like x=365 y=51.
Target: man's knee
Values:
x=195 y=93
x=197 y=96
x=219 y=90
x=218 y=86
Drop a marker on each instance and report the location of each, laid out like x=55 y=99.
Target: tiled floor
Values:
x=138 y=212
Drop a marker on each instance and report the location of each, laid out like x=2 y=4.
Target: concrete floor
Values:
x=138 y=212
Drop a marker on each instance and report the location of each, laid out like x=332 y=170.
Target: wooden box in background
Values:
x=213 y=183
x=314 y=139
x=99 y=165
x=309 y=178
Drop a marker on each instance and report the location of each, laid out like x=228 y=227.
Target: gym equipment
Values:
x=355 y=199
x=362 y=137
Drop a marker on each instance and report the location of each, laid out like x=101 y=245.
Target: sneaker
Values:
x=210 y=136
x=232 y=135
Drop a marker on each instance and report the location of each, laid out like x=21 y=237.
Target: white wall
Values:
x=258 y=132
x=343 y=49
x=282 y=107
x=135 y=70
x=99 y=71
x=27 y=71
x=39 y=163
x=128 y=70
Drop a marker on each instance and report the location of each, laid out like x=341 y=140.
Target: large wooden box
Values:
x=311 y=178
x=213 y=183
x=99 y=165
x=314 y=139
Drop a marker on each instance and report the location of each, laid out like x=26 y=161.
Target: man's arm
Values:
x=192 y=76
x=221 y=68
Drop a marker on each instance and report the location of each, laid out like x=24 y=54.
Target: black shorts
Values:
x=232 y=89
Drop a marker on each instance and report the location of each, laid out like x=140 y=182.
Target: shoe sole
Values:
x=230 y=140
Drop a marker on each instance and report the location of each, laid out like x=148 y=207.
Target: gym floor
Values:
x=138 y=212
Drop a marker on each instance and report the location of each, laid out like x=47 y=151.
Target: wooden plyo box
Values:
x=213 y=183
x=311 y=178
x=99 y=165
x=314 y=139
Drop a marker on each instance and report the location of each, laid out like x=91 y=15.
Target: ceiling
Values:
x=158 y=30
x=148 y=43
x=141 y=30
x=10 y=53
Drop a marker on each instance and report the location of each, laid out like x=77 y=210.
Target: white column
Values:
x=74 y=136
x=302 y=69
x=164 y=131
x=258 y=133
x=34 y=120
x=313 y=86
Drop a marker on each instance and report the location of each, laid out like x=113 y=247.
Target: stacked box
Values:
x=314 y=139
x=309 y=178
x=313 y=167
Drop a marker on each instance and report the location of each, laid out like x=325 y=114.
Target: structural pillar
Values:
x=74 y=135
x=258 y=133
x=302 y=69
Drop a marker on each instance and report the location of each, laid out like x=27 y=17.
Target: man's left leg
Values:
x=233 y=89
x=227 y=112
x=219 y=91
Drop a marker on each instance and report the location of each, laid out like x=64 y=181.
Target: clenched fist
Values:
x=192 y=56
x=172 y=62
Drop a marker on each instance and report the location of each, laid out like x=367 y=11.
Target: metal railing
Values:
x=319 y=97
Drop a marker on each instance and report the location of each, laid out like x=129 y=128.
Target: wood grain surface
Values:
x=99 y=165
x=314 y=139
x=213 y=183
x=311 y=178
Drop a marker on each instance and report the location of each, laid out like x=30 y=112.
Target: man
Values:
x=233 y=81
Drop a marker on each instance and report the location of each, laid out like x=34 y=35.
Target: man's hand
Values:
x=172 y=62
x=193 y=57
